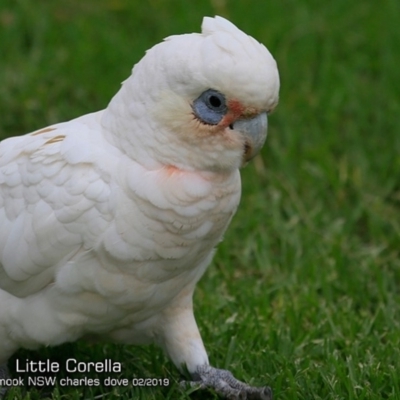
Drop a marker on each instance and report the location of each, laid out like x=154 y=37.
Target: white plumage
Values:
x=109 y=220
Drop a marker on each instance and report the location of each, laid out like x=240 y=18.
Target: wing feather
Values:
x=53 y=192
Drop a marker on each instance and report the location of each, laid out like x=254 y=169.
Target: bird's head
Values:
x=199 y=101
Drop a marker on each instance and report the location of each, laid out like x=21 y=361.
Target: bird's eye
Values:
x=215 y=100
x=210 y=107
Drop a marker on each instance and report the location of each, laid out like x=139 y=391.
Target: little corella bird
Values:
x=108 y=221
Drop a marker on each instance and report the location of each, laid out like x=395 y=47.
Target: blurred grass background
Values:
x=303 y=293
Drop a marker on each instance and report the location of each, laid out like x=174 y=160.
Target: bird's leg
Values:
x=3 y=376
x=181 y=339
x=180 y=336
x=225 y=384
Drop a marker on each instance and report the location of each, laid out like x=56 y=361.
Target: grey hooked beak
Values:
x=254 y=132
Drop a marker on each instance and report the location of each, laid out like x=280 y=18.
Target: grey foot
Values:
x=225 y=384
x=3 y=375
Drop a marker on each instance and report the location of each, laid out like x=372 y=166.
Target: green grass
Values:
x=303 y=293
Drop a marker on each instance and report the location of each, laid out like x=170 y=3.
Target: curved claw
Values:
x=225 y=384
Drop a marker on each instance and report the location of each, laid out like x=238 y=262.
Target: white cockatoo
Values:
x=108 y=221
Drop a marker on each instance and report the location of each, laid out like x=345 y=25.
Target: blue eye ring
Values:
x=210 y=107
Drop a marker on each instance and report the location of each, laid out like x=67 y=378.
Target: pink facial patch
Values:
x=237 y=111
